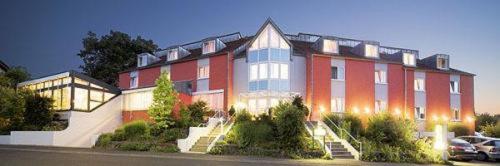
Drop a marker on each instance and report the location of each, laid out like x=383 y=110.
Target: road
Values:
x=50 y=156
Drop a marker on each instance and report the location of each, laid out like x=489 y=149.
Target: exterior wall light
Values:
x=240 y=105
x=445 y=118
x=397 y=111
x=470 y=119
x=355 y=110
x=367 y=110
x=435 y=118
x=321 y=109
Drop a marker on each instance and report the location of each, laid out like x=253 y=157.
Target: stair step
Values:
x=341 y=152
x=338 y=149
x=343 y=156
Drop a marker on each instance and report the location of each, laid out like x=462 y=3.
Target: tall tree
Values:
x=164 y=100
x=103 y=58
x=14 y=76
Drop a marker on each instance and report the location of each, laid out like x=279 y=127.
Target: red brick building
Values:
x=333 y=74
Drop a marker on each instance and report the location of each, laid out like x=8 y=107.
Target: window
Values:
x=254 y=72
x=203 y=72
x=263 y=71
x=142 y=61
x=454 y=87
x=81 y=99
x=252 y=105
x=209 y=47
x=380 y=77
x=275 y=73
x=441 y=63
x=274 y=102
x=134 y=80
x=330 y=46
x=380 y=105
x=337 y=73
x=261 y=104
x=419 y=113
x=284 y=71
x=419 y=85
x=338 y=104
x=409 y=59
x=371 y=51
x=172 y=54
x=456 y=114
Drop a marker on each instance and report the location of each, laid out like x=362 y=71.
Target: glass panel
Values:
x=252 y=86
x=261 y=104
x=57 y=96
x=66 y=80
x=81 y=99
x=81 y=82
x=47 y=93
x=285 y=55
x=275 y=54
x=39 y=86
x=284 y=85
x=108 y=96
x=48 y=84
x=254 y=72
x=57 y=82
x=275 y=70
x=263 y=71
x=96 y=95
x=95 y=86
x=253 y=56
x=264 y=55
x=274 y=85
x=263 y=38
x=284 y=71
x=94 y=104
x=263 y=85
x=66 y=97
x=275 y=38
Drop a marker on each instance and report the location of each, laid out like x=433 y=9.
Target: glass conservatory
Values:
x=72 y=91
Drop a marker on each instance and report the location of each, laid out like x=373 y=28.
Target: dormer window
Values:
x=173 y=54
x=209 y=47
x=442 y=63
x=371 y=50
x=409 y=59
x=142 y=61
x=330 y=46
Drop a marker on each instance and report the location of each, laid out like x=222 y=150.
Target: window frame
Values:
x=335 y=107
x=380 y=77
x=454 y=87
x=203 y=72
x=334 y=46
x=421 y=110
x=134 y=79
x=407 y=61
x=208 y=50
x=416 y=81
x=369 y=48
x=455 y=117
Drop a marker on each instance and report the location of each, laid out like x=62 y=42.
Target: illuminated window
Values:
x=261 y=104
x=81 y=99
x=380 y=77
x=409 y=59
x=209 y=47
x=442 y=63
x=338 y=105
x=419 y=84
x=456 y=114
x=380 y=106
x=371 y=51
x=203 y=72
x=81 y=82
x=274 y=102
x=284 y=71
x=254 y=72
x=420 y=113
x=263 y=71
x=454 y=88
x=330 y=46
x=252 y=105
x=134 y=79
x=275 y=70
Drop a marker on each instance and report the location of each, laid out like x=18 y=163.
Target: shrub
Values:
x=197 y=110
x=356 y=126
x=12 y=109
x=135 y=146
x=298 y=102
x=386 y=129
x=56 y=126
x=485 y=119
x=104 y=140
x=136 y=130
x=242 y=116
x=168 y=148
x=251 y=133
x=39 y=110
x=173 y=134
x=290 y=126
x=491 y=130
x=459 y=128
x=184 y=120
x=119 y=135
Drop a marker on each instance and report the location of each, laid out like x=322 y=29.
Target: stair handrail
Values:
x=218 y=114
x=222 y=132
x=349 y=134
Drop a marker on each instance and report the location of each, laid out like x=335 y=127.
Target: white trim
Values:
x=208 y=92
x=43 y=79
x=138 y=90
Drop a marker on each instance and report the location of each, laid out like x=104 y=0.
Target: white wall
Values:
x=4 y=139
x=298 y=75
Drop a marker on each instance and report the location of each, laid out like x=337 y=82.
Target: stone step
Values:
x=338 y=149
x=341 y=153
x=343 y=156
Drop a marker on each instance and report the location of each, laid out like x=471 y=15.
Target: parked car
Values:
x=487 y=147
x=459 y=149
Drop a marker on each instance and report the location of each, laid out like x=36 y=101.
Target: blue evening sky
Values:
x=45 y=36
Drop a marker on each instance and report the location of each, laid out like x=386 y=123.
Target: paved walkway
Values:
x=52 y=156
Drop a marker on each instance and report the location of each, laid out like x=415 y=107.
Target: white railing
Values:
x=326 y=149
x=195 y=133
x=223 y=122
x=344 y=142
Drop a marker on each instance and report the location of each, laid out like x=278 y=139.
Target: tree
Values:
x=39 y=110
x=11 y=110
x=164 y=100
x=298 y=102
x=485 y=119
x=103 y=58
x=14 y=76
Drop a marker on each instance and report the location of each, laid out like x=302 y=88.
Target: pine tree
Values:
x=164 y=99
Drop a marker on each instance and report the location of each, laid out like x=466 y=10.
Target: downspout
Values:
x=406 y=92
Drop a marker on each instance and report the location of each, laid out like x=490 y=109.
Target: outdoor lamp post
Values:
x=321 y=132
x=441 y=137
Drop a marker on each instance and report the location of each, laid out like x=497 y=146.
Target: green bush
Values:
x=104 y=140
x=197 y=111
x=39 y=111
x=298 y=102
x=173 y=134
x=136 y=130
x=251 y=133
x=135 y=146
x=459 y=128
x=119 y=135
x=184 y=120
x=231 y=111
x=491 y=130
x=12 y=109
x=242 y=116
x=485 y=119
x=386 y=129
x=290 y=126
x=55 y=126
